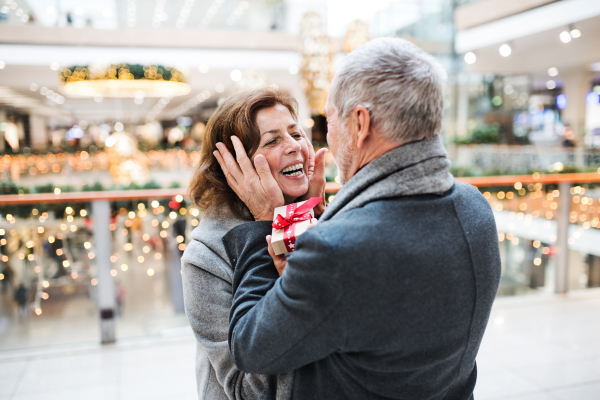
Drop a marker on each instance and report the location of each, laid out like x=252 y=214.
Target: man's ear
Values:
x=363 y=124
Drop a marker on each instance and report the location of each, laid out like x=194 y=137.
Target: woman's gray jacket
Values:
x=207 y=276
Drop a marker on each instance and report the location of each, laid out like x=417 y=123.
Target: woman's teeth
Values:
x=293 y=170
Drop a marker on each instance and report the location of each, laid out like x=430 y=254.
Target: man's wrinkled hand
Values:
x=253 y=184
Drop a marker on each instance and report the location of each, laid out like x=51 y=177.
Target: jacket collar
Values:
x=415 y=168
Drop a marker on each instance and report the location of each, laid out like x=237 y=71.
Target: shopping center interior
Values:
x=103 y=107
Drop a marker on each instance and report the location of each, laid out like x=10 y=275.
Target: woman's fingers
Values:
x=279 y=261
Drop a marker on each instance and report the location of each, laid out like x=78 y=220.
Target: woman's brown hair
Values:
x=235 y=116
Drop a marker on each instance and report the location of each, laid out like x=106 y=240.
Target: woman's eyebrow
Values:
x=272 y=131
x=275 y=131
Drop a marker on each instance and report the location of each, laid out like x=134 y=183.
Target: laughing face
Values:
x=285 y=149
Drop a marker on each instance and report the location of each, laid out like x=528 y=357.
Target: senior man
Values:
x=388 y=296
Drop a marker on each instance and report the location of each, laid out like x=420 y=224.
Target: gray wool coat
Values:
x=207 y=276
x=387 y=297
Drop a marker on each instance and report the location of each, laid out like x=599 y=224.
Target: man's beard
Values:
x=345 y=155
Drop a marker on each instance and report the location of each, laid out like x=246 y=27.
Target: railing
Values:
x=548 y=214
x=516 y=159
x=544 y=209
x=91 y=265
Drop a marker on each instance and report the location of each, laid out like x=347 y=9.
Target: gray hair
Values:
x=401 y=85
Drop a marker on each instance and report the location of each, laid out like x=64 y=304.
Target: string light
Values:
x=212 y=10
x=159 y=14
x=131 y=13
x=184 y=13
x=237 y=12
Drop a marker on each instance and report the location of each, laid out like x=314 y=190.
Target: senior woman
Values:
x=264 y=122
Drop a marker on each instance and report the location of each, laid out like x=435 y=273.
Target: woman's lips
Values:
x=293 y=171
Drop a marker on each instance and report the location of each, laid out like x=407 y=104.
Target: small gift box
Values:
x=291 y=221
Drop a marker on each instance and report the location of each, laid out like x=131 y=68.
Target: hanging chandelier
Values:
x=356 y=36
x=317 y=61
x=123 y=80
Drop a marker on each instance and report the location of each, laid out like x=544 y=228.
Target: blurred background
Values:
x=103 y=106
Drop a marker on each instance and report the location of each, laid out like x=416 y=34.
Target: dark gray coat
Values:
x=387 y=297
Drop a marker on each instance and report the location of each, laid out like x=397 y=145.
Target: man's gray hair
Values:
x=401 y=85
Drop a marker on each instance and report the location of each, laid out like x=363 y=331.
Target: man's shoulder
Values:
x=399 y=211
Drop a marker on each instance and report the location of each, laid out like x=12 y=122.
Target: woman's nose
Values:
x=292 y=145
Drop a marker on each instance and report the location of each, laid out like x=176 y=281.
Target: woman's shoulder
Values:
x=215 y=223
x=206 y=250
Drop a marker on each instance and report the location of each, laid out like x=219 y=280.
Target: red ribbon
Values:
x=296 y=214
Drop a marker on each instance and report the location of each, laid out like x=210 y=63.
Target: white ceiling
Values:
x=19 y=78
x=534 y=54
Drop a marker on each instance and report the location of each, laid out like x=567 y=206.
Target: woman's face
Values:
x=285 y=149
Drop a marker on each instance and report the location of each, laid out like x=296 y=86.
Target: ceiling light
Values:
x=552 y=71
x=551 y=84
x=575 y=33
x=236 y=75
x=470 y=57
x=565 y=37
x=505 y=50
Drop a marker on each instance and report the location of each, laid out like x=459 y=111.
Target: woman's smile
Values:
x=285 y=149
x=296 y=170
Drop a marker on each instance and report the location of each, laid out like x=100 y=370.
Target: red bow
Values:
x=294 y=215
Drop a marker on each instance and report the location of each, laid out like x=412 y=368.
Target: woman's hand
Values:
x=255 y=187
x=279 y=261
x=316 y=175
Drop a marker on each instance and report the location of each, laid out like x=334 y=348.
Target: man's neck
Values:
x=370 y=152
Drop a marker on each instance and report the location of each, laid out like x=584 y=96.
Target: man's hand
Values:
x=279 y=261
x=255 y=187
x=316 y=175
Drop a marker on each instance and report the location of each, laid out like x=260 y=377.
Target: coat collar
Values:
x=415 y=168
